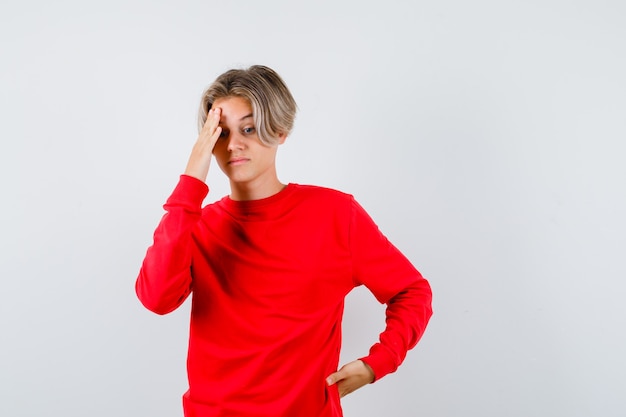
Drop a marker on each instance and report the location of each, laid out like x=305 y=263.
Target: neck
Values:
x=248 y=191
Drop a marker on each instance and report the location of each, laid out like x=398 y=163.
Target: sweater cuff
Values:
x=189 y=192
x=380 y=361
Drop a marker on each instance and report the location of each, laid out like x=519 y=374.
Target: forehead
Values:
x=233 y=108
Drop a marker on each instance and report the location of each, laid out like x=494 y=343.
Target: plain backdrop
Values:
x=485 y=138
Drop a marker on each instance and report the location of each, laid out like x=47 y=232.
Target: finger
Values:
x=217 y=113
x=335 y=377
x=211 y=130
x=344 y=392
x=331 y=379
x=348 y=385
x=213 y=118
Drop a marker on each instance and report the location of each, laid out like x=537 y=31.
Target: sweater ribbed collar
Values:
x=263 y=209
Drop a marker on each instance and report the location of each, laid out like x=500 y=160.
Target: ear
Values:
x=281 y=138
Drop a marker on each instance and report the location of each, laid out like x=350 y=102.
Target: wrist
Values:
x=198 y=169
x=370 y=371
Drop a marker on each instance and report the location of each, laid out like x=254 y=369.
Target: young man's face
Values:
x=244 y=159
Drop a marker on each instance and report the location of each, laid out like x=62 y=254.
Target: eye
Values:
x=223 y=133
x=248 y=130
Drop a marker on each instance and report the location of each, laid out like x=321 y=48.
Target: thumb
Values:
x=335 y=377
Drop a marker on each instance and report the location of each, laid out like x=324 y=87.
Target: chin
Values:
x=239 y=179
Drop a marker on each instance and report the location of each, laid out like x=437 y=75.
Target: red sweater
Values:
x=269 y=279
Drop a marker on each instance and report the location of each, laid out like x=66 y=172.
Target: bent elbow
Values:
x=158 y=302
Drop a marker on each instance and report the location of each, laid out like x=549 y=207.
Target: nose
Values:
x=235 y=142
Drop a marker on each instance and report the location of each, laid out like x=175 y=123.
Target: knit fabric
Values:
x=268 y=280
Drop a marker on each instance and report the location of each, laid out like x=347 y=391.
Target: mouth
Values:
x=237 y=161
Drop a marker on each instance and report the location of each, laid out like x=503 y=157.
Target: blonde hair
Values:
x=273 y=106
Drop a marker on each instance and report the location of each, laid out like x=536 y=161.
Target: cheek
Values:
x=219 y=148
x=219 y=153
x=221 y=158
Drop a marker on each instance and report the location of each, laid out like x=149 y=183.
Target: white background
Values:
x=486 y=139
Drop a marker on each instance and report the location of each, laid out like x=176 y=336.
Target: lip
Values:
x=237 y=161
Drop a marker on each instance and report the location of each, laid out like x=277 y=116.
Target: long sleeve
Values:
x=407 y=315
x=164 y=280
x=393 y=280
